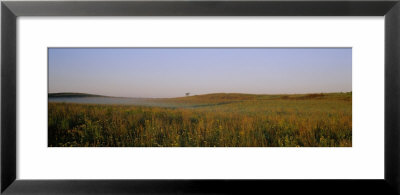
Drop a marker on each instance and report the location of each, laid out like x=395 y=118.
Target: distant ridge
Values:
x=70 y=94
x=216 y=96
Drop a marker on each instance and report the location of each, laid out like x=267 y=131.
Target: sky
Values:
x=172 y=72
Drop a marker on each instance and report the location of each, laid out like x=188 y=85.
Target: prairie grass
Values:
x=214 y=120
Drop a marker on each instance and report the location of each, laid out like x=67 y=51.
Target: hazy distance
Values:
x=171 y=72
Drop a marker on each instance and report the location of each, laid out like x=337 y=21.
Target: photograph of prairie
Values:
x=199 y=97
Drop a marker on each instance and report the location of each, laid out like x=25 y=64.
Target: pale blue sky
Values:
x=171 y=72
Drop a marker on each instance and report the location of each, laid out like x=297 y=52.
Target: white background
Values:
x=364 y=160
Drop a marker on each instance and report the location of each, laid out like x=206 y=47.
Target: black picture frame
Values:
x=11 y=10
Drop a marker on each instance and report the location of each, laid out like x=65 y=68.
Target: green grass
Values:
x=214 y=120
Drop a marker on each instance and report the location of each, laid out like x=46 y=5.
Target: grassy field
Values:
x=213 y=120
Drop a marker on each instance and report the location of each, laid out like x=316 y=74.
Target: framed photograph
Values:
x=200 y=97
x=240 y=97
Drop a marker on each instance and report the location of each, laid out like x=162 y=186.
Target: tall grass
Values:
x=264 y=121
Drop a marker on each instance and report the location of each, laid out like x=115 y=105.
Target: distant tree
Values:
x=187 y=94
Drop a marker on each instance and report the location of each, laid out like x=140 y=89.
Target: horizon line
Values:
x=91 y=94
